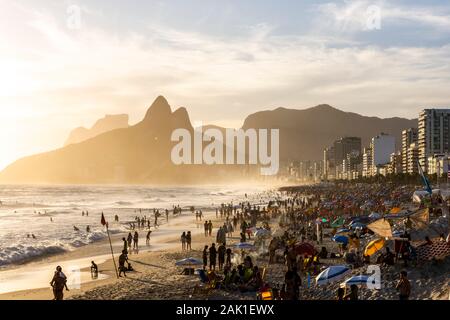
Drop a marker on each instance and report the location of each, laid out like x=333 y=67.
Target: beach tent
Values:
x=381 y=227
x=189 y=262
x=374 y=246
x=332 y=274
x=357 y=280
x=340 y=239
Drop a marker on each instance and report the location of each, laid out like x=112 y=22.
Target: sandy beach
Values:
x=156 y=277
x=164 y=240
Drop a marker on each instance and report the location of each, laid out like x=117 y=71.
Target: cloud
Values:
x=67 y=78
x=358 y=16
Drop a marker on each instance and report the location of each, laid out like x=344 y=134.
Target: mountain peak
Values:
x=159 y=108
x=324 y=107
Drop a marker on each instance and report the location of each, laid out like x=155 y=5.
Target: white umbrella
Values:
x=331 y=274
x=262 y=233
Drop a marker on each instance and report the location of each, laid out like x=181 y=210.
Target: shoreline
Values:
x=163 y=240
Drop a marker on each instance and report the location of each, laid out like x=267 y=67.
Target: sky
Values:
x=65 y=64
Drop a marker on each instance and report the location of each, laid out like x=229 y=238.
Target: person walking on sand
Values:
x=404 y=286
x=210 y=228
x=206 y=225
x=183 y=241
x=122 y=259
x=148 y=237
x=205 y=257
x=58 y=283
x=136 y=241
x=125 y=245
x=212 y=257
x=129 y=241
x=228 y=257
x=221 y=252
x=189 y=241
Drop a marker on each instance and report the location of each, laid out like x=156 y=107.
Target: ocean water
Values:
x=27 y=210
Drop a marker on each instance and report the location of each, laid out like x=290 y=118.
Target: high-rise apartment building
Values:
x=433 y=134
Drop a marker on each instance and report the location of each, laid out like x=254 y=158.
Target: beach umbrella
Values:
x=340 y=239
x=357 y=280
x=244 y=246
x=339 y=222
x=189 y=262
x=374 y=246
x=262 y=233
x=357 y=225
x=343 y=230
x=375 y=215
x=305 y=248
x=332 y=274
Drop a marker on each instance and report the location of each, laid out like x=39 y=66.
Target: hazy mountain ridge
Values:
x=137 y=154
x=305 y=133
x=141 y=153
x=108 y=123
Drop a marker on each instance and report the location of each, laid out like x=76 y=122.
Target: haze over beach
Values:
x=224 y=150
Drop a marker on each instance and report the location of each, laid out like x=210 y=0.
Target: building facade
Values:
x=433 y=134
x=409 y=136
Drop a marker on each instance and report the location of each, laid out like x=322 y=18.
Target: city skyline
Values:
x=69 y=63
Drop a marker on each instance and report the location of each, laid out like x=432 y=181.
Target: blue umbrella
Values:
x=189 y=262
x=340 y=239
x=244 y=246
x=357 y=225
x=357 y=280
x=331 y=274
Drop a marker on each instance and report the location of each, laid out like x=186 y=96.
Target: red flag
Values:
x=103 y=221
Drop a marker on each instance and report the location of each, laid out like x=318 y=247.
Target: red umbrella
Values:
x=305 y=248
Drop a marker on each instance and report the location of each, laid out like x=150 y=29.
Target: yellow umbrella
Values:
x=374 y=246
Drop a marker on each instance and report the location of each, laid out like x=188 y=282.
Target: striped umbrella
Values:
x=357 y=280
x=332 y=274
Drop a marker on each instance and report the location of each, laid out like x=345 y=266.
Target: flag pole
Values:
x=104 y=223
x=112 y=253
